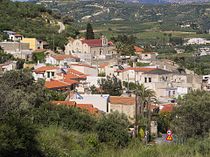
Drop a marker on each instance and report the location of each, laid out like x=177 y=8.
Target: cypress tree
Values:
x=89 y=32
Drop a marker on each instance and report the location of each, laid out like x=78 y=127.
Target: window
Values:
x=48 y=74
x=173 y=92
x=150 y=79
x=169 y=93
x=53 y=74
x=145 y=80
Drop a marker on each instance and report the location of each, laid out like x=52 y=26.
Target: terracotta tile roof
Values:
x=141 y=69
x=84 y=65
x=84 y=105
x=67 y=103
x=45 y=68
x=93 y=42
x=103 y=65
x=87 y=107
x=70 y=81
x=74 y=74
x=62 y=57
x=138 y=49
x=167 y=108
x=57 y=84
x=122 y=100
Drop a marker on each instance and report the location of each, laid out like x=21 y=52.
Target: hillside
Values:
x=167 y=1
x=108 y=12
x=31 y=20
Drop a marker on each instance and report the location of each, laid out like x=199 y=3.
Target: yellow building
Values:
x=34 y=44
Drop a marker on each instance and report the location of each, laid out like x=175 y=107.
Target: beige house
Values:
x=124 y=105
x=90 y=49
x=166 y=84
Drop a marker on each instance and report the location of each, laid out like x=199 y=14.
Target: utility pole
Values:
x=136 y=115
x=53 y=42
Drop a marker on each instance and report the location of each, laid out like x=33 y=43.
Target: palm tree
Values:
x=144 y=97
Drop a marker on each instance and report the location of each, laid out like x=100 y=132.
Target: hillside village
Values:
x=86 y=62
x=85 y=92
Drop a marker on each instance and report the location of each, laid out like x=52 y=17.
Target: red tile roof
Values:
x=45 y=68
x=67 y=103
x=57 y=84
x=167 y=108
x=62 y=57
x=70 y=81
x=103 y=65
x=122 y=100
x=138 y=49
x=93 y=42
x=87 y=107
x=74 y=74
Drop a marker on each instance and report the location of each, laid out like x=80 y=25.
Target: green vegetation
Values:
x=30 y=126
x=89 y=32
x=5 y=57
x=198 y=64
x=38 y=56
x=110 y=85
x=124 y=44
x=33 y=20
x=195 y=105
x=140 y=64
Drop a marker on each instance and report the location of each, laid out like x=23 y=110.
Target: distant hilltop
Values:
x=138 y=1
x=166 y=1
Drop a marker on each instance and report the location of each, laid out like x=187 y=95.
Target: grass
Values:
x=55 y=141
x=191 y=149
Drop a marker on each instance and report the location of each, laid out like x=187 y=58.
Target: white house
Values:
x=99 y=101
x=15 y=37
x=45 y=72
x=61 y=59
x=7 y=66
x=197 y=41
x=148 y=56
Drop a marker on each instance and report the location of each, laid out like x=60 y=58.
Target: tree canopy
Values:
x=192 y=116
x=89 y=32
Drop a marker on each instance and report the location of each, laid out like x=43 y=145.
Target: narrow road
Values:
x=62 y=27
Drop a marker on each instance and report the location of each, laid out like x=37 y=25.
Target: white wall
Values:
x=86 y=70
x=93 y=80
x=98 y=101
